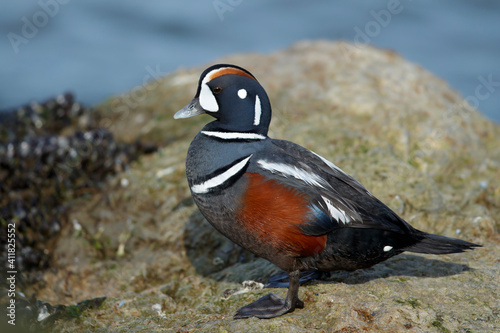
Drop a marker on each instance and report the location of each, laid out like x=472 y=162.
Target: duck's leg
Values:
x=280 y=280
x=272 y=305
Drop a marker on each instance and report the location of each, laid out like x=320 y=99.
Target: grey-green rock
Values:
x=402 y=132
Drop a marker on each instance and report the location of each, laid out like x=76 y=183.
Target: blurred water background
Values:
x=98 y=48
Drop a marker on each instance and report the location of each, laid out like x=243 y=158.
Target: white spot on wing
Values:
x=290 y=170
x=220 y=179
x=242 y=93
x=258 y=111
x=234 y=135
x=387 y=248
x=335 y=212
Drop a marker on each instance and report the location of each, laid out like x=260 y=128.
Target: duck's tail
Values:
x=436 y=244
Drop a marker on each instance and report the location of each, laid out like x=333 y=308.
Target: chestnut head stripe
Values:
x=227 y=70
x=207 y=98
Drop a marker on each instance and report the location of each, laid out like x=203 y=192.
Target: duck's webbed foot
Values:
x=273 y=305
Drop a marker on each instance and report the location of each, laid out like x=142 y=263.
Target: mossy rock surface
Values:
x=402 y=132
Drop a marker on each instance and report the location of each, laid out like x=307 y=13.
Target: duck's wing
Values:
x=336 y=199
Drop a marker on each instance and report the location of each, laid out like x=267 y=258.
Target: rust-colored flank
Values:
x=274 y=213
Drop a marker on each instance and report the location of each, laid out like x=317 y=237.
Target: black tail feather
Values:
x=436 y=244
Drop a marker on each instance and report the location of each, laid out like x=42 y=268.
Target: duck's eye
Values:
x=217 y=90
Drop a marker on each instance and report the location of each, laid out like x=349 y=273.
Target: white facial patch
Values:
x=387 y=248
x=335 y=212
x=242 y=93
x=258 y=111
x=207 y=98
x=220 y=179
x=292 y=171
x=234 y=135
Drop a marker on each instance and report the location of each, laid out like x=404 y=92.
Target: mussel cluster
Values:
x=34 y=315
x=51 y=153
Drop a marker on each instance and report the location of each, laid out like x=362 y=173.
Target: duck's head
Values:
x=234 y=97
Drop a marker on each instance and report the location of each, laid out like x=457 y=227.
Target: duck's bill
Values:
x=192 y=109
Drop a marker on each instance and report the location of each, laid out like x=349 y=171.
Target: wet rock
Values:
x=33 y=315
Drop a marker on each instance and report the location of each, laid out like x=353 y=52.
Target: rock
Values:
x=402 y=132
x=50 y=153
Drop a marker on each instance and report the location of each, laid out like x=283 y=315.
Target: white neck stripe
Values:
x=234 y=135
x=220 y=179
x=258 y=111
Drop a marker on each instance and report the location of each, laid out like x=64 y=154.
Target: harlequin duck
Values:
x=282 y=201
